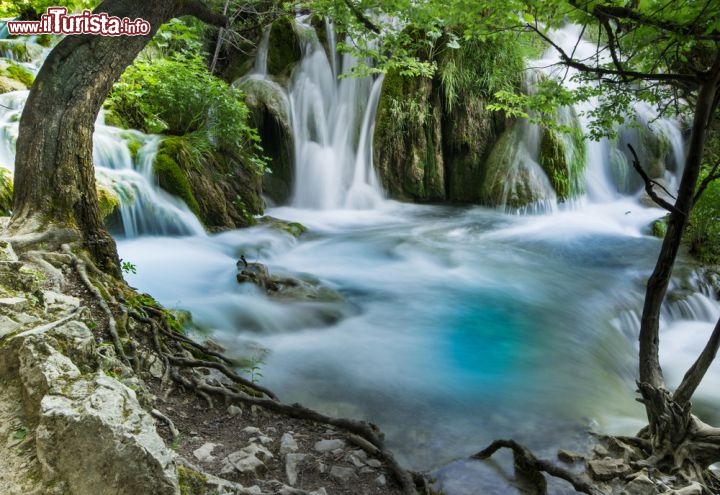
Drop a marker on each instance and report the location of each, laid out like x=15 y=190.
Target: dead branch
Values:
x=527 y=460
x=649 y=183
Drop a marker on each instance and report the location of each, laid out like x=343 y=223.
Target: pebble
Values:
x=381 y=480
x=342 y=473
x=233 y=411
x=374 y=463
x=204 y=452
x=291 y=464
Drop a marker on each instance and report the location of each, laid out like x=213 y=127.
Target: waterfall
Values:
x=332 y=119
x=608 y=173
x=144 y=208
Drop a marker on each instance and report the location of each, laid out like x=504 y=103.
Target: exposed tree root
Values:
x=80 y=268
x=532 y=467
x=174 y=433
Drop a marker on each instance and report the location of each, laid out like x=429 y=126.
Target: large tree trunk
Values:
x=54 y=173
x=678 y=437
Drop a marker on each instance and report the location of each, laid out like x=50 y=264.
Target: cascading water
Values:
x=332 y=120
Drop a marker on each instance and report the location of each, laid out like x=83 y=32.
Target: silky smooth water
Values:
x=460 y=325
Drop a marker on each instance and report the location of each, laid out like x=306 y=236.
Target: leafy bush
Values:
x=703 y=234
x=178 y=96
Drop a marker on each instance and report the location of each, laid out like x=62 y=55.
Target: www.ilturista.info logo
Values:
x=58 y=21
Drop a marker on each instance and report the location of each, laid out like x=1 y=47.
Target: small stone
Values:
x=287 y=443
x=204 y=452
x=381 y=480
x=570 y=457
x=319 y=491
x=322 y=467
x=338 y=452
x=233 y=411
x=342 y=473
x=291 y=464
x=600 y=451
x=251 y=430
x=249 y=459
x=355 y=461
x=367 y=470
x=360 y=454
x=374 y=463
x=607 y=469
x=328 y=445
x=265 y=440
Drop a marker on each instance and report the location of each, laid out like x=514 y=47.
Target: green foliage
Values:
x=703 y=233
x=128 y=267
x=179 y=36
x=178 y=96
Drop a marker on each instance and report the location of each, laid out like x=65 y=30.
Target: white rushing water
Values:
x=458 y=325
x=332 y=121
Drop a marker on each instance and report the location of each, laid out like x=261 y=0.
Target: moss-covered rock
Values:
x=284 y=50
x=20 y=50
x=408 y=138
x=659 y=227
x=270 y=114
x=108 y=200
x=6 y=191
x=513 y=178
x=221 y=190
x=295 y=229
x=172 y=178
x=7 y=85
x=16 y=72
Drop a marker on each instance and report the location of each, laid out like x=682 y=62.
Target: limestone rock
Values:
x=204 y=452
x=641 y=485
x=291 y=467
x=102 y=416
x=342 y=473
x=248 y=460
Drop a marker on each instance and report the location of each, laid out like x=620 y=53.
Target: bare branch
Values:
x=626 y=75
x=523 y=457
x=713 y=175
x=649 y=183
x=697 y=371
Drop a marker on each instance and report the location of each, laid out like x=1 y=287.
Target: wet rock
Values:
x=285 y=287
x=570 y=457
x=607 y=469
x=329 y=445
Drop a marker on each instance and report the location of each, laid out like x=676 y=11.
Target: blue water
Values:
x=460 y=325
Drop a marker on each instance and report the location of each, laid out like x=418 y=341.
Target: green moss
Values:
x=6 y=191
x=113 y=119
x=243 y=211
x=134 y=146
x=284 y=50
x=20 y=50
x=659 y=227
x=553 y=162
x=173 y=179
x=20 y=74
x=44 y=40
x=191 y=482
x=108 y=201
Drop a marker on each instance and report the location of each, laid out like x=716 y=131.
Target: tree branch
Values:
x=198 y=9
x=649 y=183
x=523 y=457
x=713 y=175
x=697 y=371
x=362 y=17
x=625 y=75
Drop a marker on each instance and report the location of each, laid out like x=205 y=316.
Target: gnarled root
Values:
x=529 y=466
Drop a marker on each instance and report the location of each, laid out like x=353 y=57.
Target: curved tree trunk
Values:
x=54 y=172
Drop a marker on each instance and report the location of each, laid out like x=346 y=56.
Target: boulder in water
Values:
x=285 y=287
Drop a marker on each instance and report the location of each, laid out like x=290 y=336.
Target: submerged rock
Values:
x=284 y=286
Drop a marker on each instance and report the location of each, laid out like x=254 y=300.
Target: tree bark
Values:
x=54 y=173
x=650 y=370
